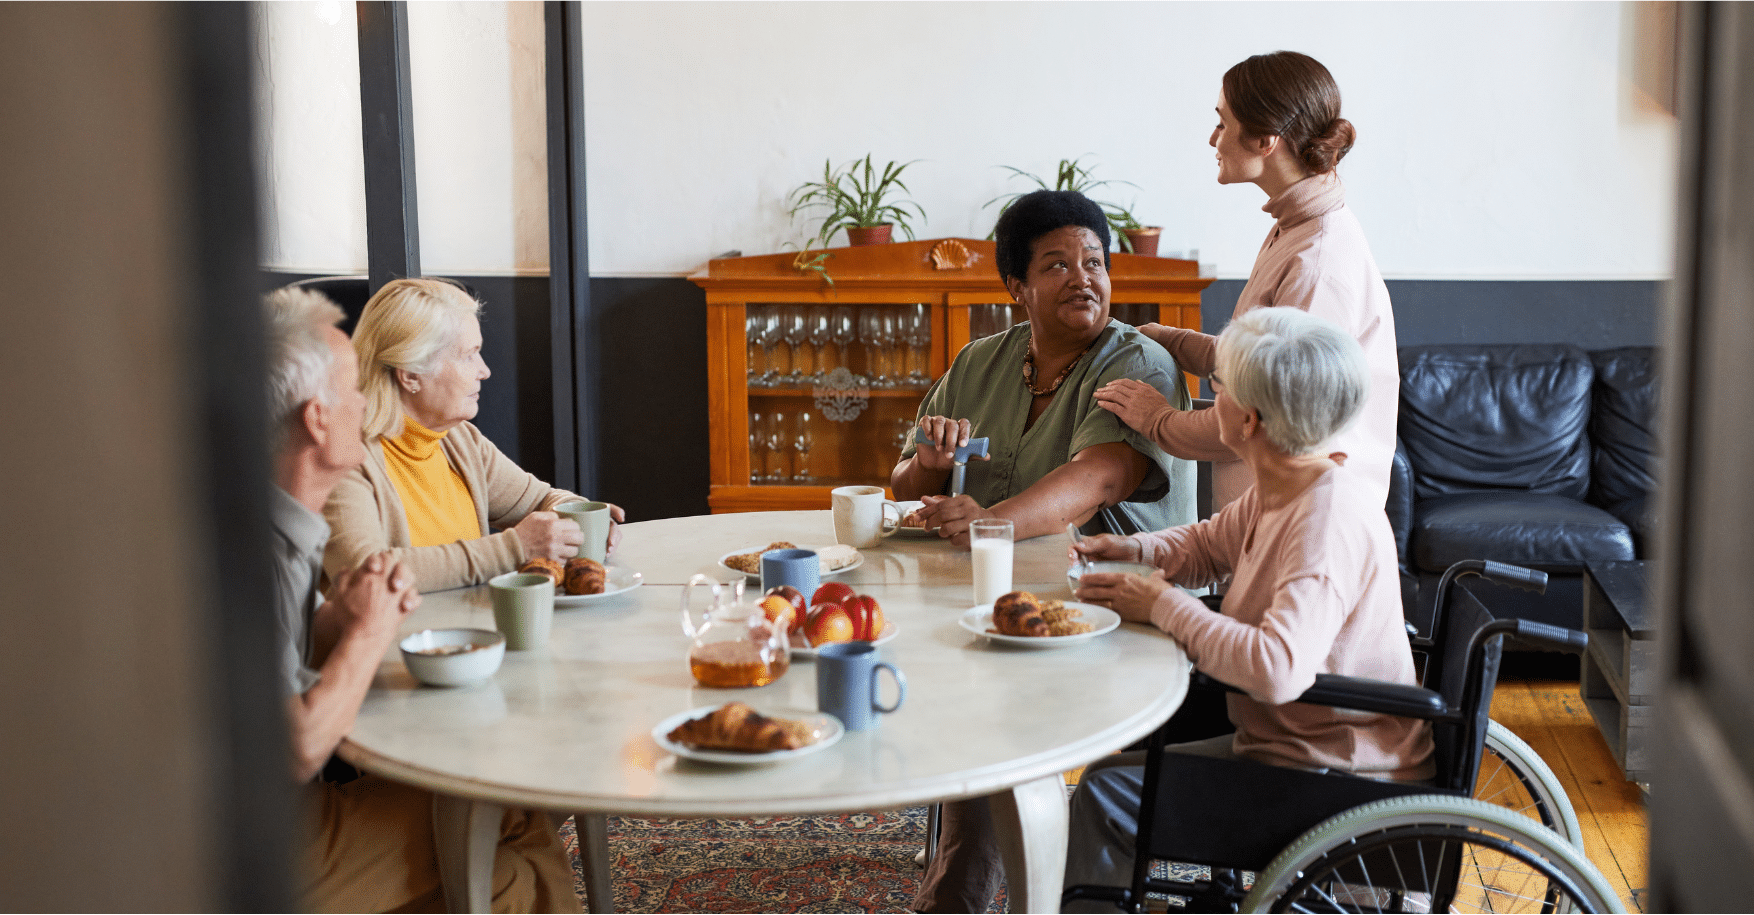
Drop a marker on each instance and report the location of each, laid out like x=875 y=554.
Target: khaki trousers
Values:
x=372 y=850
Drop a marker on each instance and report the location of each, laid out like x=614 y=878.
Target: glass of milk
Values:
x=990 y=544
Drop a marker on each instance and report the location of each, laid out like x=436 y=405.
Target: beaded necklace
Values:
x=1029 y=371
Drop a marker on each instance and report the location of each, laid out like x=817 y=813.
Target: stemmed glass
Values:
x=771 y=333
x=871 y=334
x=901 y=429
x=821 y=330
x=774 y=439
x=793 y=330
x=919 y=339
x=802 y=443
x=843 y=328
x=752 y=335
x=757 y=440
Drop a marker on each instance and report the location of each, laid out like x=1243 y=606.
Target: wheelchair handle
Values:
x=1516 y=576
x=1548 y=636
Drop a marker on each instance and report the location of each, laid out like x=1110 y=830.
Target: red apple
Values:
x=867 y=617
x=828 y=623
x=793 y=596
x=831 y=593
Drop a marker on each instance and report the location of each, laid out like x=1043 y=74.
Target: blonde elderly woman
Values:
x=1314 y=586
x=432 y=487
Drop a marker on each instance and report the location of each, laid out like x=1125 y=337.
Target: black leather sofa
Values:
x=1533 y=454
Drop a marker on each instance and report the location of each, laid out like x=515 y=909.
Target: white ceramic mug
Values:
x=861 y=516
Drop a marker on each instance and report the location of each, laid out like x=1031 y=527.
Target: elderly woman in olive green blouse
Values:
x=1054 y=455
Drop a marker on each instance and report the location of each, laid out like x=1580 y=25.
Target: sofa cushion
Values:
x=1622 y=425
x=1636 y=514
x=1508 y=417
x=1539 y=530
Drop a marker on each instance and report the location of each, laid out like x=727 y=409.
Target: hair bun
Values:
x=1324 y=152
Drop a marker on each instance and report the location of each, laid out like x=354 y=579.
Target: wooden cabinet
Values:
x=813 y=384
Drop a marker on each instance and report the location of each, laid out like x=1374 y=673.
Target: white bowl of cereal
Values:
x=453 y=657
x=1107 y=565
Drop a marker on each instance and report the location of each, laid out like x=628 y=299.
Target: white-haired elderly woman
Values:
x=1314 y=585
x=432 y=487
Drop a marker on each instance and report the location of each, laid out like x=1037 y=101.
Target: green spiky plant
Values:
x=857 y=195
x=1073 y=175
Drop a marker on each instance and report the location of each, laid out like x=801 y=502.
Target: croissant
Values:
x=739 y=728
x=585 y=576
x=542 y=565
x=1019 y=613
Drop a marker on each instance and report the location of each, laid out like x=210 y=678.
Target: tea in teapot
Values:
x=736 y=645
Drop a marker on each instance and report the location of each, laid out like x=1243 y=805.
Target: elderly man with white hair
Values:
x=372 y=845
x=1314 y=585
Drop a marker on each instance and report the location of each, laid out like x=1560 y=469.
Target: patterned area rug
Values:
x=860 y=862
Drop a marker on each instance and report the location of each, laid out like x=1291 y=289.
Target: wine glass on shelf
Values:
x=919 y=341
x=821 y=330
x=775 y=440
x=843 y=329
x=802 y=443
x=770 y=339
x=888 y=333
x=794 y=332
x=757 y=441
x=871 y=334
x=899 y=431
x=752 y=337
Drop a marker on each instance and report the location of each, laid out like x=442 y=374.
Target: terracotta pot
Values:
x=1145 y=240
x=869 y=235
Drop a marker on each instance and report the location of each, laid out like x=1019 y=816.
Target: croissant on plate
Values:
x=542 y=565
x=739 y=728
x=585 y=576
x=1019 y=613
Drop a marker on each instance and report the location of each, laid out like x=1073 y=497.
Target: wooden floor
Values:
x=1550 y=716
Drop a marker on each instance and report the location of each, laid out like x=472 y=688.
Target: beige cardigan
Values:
x=366 y=516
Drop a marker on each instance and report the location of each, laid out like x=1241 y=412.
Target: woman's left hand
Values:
x=1135 y=402
x=952 y=515
x=1132 y=596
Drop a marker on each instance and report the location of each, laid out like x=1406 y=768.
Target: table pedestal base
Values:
x=1029 y=822
x=466 y=834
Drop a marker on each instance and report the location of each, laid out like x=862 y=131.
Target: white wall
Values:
x=1495 y=140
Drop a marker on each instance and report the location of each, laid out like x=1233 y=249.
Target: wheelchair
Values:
x=1316 y=842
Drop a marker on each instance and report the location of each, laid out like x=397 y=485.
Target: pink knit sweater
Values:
x=1314 y=589
x=1315 y=258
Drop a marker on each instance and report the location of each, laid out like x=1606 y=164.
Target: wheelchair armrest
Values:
x=1367 y=695
x=1359 y=693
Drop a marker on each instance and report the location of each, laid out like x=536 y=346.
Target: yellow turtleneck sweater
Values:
x=440 y=509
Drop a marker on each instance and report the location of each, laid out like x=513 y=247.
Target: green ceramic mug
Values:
x=593 y=520
x=523 y=608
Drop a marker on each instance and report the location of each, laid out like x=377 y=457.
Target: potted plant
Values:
x=1073 y=175
x=861 y=200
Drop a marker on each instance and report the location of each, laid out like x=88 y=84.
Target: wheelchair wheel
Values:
x=1513 y=776
x=1425 y=853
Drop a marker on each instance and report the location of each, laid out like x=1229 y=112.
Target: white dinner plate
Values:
x=980 y=619
x=890 y=631
x=858 y=560
x=618 y=581
x=908 y=508
x=828 y=731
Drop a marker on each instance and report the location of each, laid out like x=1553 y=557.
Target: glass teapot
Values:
x=735 y=644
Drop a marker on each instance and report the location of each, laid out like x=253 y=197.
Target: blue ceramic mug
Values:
x=802 y=569
x=846 y=684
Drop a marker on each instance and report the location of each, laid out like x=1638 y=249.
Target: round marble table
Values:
x=567 y=728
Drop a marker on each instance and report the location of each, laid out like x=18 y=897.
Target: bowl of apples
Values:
x=835 y=613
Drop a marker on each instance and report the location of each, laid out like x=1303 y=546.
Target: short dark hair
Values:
x=1036 y=214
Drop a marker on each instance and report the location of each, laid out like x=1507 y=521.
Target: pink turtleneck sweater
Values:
x=1315 y=258
x=1314 y=588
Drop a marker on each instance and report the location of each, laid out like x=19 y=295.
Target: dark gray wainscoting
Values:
x=653 y=444
x=1594 y=314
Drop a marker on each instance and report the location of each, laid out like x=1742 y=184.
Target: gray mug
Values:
x=523 y=608
x=802 y=569
x=846 y=684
